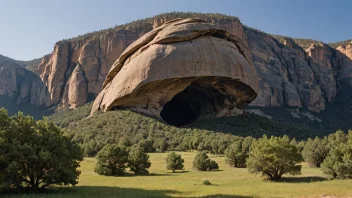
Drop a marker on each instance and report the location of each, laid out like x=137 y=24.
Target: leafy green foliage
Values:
x=174 y=162
x=316 y=151
x=35 y=154
x=237 y=153
x=138 y=161
x=111 y=160
x=274 y=157
x=202 y=162
x=338 y=163
x=66 y=117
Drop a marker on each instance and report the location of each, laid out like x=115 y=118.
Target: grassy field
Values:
x=227 y=182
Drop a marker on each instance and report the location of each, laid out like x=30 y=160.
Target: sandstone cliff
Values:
x=290 y=75
x=182 y=71
x=75 y=71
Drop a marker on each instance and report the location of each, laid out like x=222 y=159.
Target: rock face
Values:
x=344 y=57
x=293 y=76
x=184 y=70
x=21 y=85
x=95 y=56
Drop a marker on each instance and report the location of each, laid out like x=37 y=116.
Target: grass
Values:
x=227 y=182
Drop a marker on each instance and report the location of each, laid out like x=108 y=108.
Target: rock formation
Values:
x=290 y=74
x=184 y=70
x=293 y=76
x=20 y=86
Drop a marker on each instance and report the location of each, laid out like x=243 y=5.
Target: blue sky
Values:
x=30 y=28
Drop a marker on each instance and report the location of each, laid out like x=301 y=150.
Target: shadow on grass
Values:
x=216 y=170
x=184 y=171
x=302 y=179
x=133 y=175
x=104 y=191
x=225 y=196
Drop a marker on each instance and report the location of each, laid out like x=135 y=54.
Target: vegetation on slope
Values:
x=336 y=44
x=30 y=65
x=142 y=23
x=126 y=127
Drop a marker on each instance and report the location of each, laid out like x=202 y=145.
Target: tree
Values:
x=274 y=157
x=338 y=163
x=161 y=145
x=235 y=155
x=147 y=145
x=112 y=160
x=316 y=151
x=174 y=162
x=138 y=161
x=35 y=154
x=202 y=162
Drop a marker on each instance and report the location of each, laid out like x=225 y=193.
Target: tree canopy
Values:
x=35 y=154
x=274 y=157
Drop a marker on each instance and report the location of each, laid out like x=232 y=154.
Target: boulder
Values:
x=183 y=70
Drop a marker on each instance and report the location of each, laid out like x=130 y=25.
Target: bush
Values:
x=35 y=154
x=174 y=162
x=202 y=162
x=235 y=155
x=112 y=160
x=213 y=165
x=316 y=151
x=338 y=163
x=138 y=161
x=206 y=182
x=274 y=157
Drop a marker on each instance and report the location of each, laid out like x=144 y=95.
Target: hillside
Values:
x=127 y=126
x=30 y=65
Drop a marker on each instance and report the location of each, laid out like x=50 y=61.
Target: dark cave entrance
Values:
x=191 y=103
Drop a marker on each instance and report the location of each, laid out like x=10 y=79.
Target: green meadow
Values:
x=226 y=182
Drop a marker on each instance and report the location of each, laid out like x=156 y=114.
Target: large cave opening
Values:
x=192 y=103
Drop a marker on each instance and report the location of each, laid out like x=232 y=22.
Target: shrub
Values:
x=206 y=182
x=338 y=163
x=112 y=160
x=316 y=151
x=235 y=155
x=174 y=162
x=213 y=165
x=138 y=161
x=274 y=157
x=35 y=154
x=202 y=162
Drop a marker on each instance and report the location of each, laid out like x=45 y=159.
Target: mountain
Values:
x=294 y=74
x=21 y=89
x=31 y=64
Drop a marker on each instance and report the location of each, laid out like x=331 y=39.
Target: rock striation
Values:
x=293 y=76
x=183 y=70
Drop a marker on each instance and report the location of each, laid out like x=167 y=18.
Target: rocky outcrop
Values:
x=21 y=85
x=344 y=56
x=96 y=54
x=293 y=76
x=187 y=67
